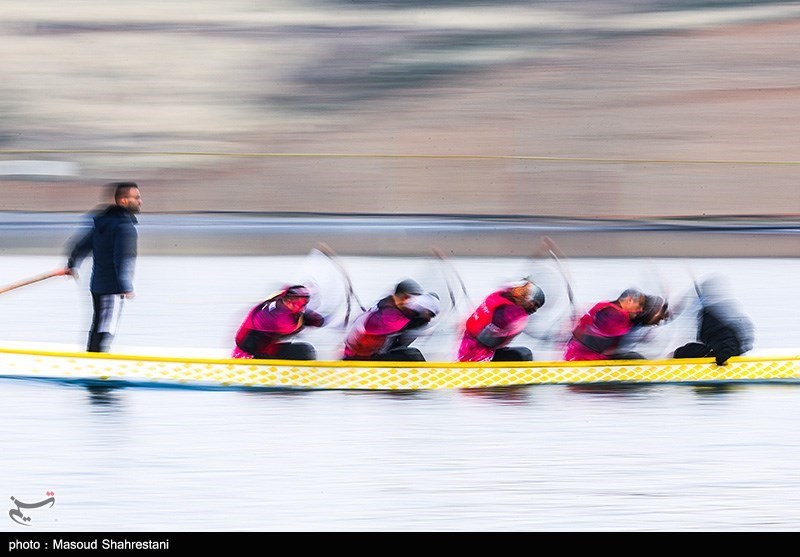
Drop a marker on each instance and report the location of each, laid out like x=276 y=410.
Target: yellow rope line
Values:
x=599 y=160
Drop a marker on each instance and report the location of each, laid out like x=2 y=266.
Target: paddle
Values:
x=549 y=249
x=350 y=292
x=444 y=319
x=438 y=253
x=33 y=280
x=686 y=300
x=443 y=258
x=553 y=250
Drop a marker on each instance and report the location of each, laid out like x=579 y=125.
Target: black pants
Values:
x=107 y=309
x=517 y=354
x=626 y=356
x=395 y=355
x=291 y=351
x=694 y=350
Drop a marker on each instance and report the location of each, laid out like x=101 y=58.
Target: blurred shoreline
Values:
x=583 y=109
x=414 y=235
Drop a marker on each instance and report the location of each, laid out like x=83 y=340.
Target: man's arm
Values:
x=80 y=250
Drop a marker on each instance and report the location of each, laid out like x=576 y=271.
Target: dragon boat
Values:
x=17 y=362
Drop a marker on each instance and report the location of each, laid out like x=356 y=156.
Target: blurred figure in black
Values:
x=723 y=329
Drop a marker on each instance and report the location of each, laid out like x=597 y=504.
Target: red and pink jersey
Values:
x=272 y=322
x=372 y=330
x=507 y=318
x=598 y=332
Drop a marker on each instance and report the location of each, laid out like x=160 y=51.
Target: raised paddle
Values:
x=550 y=247
x=32 y=280
x=446 y=261
x=350 y=292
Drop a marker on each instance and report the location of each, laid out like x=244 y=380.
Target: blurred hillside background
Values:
x=619 y=109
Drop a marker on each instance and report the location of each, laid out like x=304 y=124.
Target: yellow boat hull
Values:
x=383 y=375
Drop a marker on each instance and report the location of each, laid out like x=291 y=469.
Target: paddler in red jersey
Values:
x=654 y=312
x=497 y=321
x=264 y=331
x=385 y=331
x=601 y=329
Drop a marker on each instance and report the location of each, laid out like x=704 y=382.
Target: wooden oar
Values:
x=33 y=280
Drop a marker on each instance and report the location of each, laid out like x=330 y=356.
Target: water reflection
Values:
x=104 y=397
x=513 y=394
x=277 y=392
x=715 y=389
x=401 y=394
x=621 y=390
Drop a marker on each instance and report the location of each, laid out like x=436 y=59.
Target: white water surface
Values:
x=646 y=458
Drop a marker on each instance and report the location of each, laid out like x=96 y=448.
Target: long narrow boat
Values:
x=216 y=372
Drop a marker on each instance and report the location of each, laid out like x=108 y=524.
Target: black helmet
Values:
x=297 y=291
x=408 y=287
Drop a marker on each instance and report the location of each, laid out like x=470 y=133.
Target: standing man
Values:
x=112 y=241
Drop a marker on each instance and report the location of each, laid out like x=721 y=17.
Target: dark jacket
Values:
x=722 y=331
x=727 y=331
x=112 y=242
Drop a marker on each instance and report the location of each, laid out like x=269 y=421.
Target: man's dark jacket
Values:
x=112 y=242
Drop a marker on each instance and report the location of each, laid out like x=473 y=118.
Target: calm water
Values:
x=662 y=457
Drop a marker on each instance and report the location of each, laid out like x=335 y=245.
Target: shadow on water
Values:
x=104 y=397
x=275 y=392
x=715 y=389
x=621 y=390
x=728 y=388
x=513 y=394
x=399 y=394
x=396 y=394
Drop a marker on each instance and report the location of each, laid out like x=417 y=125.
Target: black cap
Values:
x=409 y=287
x=297 y=291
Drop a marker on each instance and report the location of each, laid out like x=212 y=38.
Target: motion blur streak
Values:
x=630 y=89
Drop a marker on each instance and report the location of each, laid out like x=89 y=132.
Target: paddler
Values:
x=655 y=311
x=497 y=321
x=385 y=331
x=264 y=332
x=723 y=328
x=600 y=331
